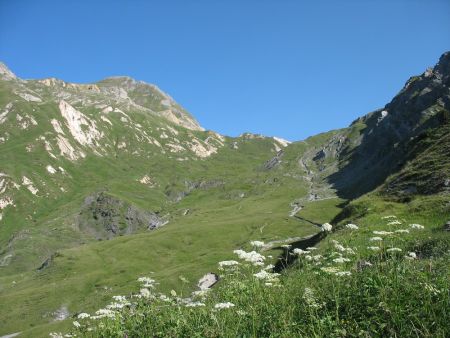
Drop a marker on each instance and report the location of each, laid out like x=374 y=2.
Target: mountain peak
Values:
x=6 y=73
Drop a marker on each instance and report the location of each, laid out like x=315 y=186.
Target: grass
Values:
x=382 y=293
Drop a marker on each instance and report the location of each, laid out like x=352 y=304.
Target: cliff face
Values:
x=382 y=142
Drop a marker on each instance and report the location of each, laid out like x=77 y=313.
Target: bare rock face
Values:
x=207 y=281
x=105 y=216
x=5 y=73
x=273 y=162
x=447 y=226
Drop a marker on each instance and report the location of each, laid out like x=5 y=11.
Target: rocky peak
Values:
x=5 y=73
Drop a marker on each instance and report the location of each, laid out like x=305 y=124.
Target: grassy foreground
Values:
x=385 y=274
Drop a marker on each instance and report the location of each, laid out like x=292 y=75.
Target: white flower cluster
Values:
x=341 y=248
x=257 y=244
x=220 y=306
x=375 y=239
x=104 y=313
x=374 y=248
x=194 y=304
x=394 y=250
x=147 y=282
x=252 y=257
x=343 y=273
x=327 y=227
x=394 y=223
x=383 y=233
x=83 y=315
x=411 y=256
x=267 y=276
x=228 y=263
x=341 y=260
x=299 y=252
x=388 y=217
x=310 y=298
x=352 y=226
x=402 y=231
x=416 y=226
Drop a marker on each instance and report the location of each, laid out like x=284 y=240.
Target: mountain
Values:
x=104 y=182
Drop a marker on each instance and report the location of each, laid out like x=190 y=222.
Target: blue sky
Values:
x=277 y=67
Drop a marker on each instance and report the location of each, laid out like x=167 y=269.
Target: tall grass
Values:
x=346 y=289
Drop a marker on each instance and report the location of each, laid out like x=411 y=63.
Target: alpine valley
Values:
x=103 y=183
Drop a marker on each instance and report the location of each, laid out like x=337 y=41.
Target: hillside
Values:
x=102 y=183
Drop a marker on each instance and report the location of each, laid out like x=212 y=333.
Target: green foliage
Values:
x=401 y=292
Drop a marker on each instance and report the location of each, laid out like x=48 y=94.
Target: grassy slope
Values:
x=393 y=297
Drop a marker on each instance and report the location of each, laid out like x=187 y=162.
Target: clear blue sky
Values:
x=288 y=68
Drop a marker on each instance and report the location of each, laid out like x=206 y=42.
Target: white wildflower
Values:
x=286 y=246
x=352 y=226
x=221 y=306
x=104 y=313
x=317 y=257
x=343 y=273
x=76 y=324
x=308 y=257
x=431 y=288
x=311 y=248
x=416 y=226
x=147 y=282
x=257 y=244
x=195 y=304
x=330 y=269
x=119 y=298
x=411 y=255
x=252 y=257
x=394 y=223
x=375 y=239
x=310 y=298
x=164 y=298
x=269 y=267
x=382 y=233
x=341 y=260
x=144 y=292
x=387 y=217
x=374 y=248
x=394 y=250
x=327 y=227
x=117 y=306
x=269 y=276
x=402 y=231
x=228 y=263
x=83 y=315
x=55 y=334
x=299 y=252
